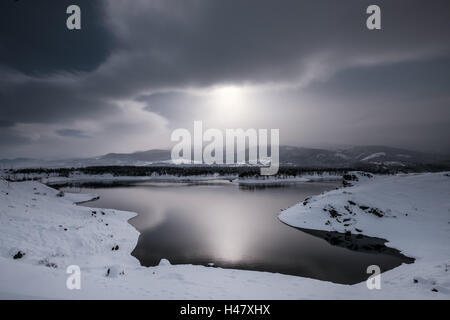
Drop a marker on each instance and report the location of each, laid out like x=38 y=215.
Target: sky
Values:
x=139 y=69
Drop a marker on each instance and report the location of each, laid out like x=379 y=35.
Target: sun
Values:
x=228 y=103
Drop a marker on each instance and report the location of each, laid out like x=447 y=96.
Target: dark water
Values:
x=236 y=227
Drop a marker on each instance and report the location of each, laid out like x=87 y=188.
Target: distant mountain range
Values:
x=358 y=156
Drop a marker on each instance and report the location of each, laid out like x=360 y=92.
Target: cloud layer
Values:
x=138 y=69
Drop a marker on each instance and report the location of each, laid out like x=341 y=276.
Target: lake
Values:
x=220 y=224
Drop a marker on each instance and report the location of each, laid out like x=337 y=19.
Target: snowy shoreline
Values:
x=110 y=178
x=53 y=233
x=106 y=178
x=269 y=180
x=411 y=211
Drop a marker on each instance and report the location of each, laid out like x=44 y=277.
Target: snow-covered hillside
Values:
x=411 y=211
x=43 y=231
x=356 y=156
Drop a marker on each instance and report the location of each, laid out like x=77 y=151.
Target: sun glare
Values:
x=228 y=103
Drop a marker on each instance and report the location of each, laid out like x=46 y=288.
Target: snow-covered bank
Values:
x=50 y=232
x=83 y=178
x=48 y=229
x=79 y=177
x=411 y=211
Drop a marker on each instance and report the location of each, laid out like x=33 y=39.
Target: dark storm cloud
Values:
x=72 y=133
x=35 y=40
x=161 y=44
x=132 y=49
x=6 y=123
x=8 y=139
x=173 y=105
x=40 y=60
x=201 y=42
x=31 y=100
x=412 y=80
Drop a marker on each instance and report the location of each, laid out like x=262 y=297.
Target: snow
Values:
x=393 y=163
x=411 y=211
x=79 y=197
x=278 y=180
x=374 y=155
x=53 y=233
x=164 y=262
x=341 y=155
x=76 y=178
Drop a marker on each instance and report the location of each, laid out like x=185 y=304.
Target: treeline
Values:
x=199 y=170
x=241 y=171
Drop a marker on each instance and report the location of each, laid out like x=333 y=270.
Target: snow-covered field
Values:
x=43 y=232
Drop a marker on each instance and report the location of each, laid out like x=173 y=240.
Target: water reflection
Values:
x=220 y=223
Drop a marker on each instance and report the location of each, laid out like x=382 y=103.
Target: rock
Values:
x=19 y=255
x=47 y=263
x=334 y=213
x=350 y=177
x=346 y=184
x=347 y=178
x=115 y=271
x=376 y=212
x=365 y=174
